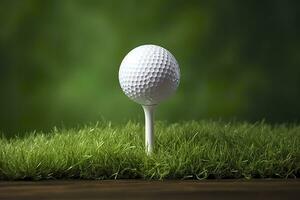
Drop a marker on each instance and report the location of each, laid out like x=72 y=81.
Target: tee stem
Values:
x=149 y=128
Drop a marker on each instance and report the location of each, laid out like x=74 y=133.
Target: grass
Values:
x=187 y=150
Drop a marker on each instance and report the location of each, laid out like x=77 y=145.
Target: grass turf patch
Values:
x=187 y=150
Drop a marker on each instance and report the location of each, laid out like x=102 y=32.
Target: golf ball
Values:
x=149 y=74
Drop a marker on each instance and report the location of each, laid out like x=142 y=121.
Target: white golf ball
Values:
x=149 y=74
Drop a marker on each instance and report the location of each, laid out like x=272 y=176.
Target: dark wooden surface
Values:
x=133 y=189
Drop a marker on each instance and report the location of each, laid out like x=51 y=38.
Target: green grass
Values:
x=187 y=150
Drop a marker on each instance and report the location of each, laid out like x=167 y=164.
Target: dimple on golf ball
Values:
x=149 y=74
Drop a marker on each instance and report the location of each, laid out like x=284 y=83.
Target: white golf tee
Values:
x=149 y=128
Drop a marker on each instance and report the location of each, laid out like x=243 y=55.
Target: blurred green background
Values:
x=59 y=60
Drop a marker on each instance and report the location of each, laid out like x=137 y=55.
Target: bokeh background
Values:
x=59 y=60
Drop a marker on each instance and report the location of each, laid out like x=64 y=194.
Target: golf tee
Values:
x=149 y=128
